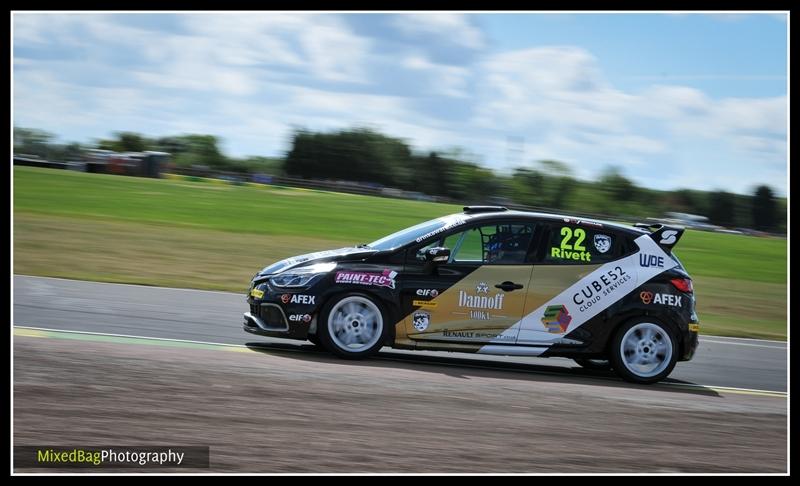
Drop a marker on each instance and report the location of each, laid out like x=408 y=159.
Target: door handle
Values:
x=508 y=286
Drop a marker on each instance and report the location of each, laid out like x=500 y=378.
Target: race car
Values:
x=493 y=281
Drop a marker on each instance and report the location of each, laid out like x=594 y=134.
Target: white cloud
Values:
x=559 y=101
x=445 y=80
x=319 y=44
x=455 y=28
x=251 y=77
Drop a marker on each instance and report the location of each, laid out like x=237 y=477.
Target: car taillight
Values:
x=683 y=284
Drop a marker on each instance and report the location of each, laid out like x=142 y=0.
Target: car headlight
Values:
x=301 y=276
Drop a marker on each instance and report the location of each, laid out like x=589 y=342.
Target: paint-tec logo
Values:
x=421 y=320
x=602 y=243
x=298 y=299
x=428 y=292
x=384 y=279
x=668 y=237
x=646 y=260
x=482 y=288
x=662 y=299
x=556 y=319
x=300 y=318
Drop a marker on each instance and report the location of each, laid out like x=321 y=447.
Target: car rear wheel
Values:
x=352 y=326
x=593 y=364
x=644 y=351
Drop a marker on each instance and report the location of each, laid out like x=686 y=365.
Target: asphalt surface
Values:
x=216 y=317
x=276 y=411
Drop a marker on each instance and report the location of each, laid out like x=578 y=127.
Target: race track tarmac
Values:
x=277 y=406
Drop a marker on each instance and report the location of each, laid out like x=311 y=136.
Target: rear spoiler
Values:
x=665 y=236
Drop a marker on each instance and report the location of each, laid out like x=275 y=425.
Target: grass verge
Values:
x=209 y=236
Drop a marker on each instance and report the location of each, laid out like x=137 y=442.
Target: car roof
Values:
x=502 y=213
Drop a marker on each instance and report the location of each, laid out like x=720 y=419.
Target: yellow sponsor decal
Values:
x=425 y=304
x=694 y=327
x=257 y=293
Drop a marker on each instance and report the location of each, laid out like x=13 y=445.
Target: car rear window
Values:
x=581 y=244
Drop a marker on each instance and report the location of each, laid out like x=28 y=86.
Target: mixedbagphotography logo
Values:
x=144 y=457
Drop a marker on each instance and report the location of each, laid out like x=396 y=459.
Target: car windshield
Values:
x=417 y=233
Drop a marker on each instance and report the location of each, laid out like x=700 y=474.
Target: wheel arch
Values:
x=617 y=320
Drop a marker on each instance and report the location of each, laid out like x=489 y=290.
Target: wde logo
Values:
x=556 y=319
x=646 y=260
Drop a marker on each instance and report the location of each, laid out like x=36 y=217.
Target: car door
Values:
x=561 y=294
x=479 y=292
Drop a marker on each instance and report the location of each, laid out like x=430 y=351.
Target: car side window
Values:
x=492 y=244
x=581 y=245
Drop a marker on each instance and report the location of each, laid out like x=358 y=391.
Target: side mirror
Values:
x=437 y=254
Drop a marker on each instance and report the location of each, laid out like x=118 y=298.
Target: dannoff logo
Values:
x=480 y=301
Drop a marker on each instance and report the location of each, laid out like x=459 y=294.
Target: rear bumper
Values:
x=690 y=341
x=690 y=338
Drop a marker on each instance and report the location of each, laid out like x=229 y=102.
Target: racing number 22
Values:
x=567 y=233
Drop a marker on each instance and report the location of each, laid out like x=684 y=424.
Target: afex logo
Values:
x=662 y=299
x=298 y=299
x=646 y=260
x=300 y=317
x=428 y=292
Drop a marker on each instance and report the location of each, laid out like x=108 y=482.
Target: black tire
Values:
x=369 y=323
x=660 y=347
x=593 y=364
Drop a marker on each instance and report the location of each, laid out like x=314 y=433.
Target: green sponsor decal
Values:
x=571 y=245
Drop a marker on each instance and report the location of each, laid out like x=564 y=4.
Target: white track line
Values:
x=243 y=292
x=690 y=385
x=130 y=336
x=703 y=341
x=749 y=339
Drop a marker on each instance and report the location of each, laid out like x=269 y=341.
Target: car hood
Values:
x=339 y=254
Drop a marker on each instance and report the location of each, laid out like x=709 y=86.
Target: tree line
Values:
x=366 y=156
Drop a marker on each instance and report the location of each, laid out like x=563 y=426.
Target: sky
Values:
x=674 y=100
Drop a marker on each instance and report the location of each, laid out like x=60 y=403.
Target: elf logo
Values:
x=300 y=318
x=428 y=292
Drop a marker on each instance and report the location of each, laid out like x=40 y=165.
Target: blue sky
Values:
x=674 y=100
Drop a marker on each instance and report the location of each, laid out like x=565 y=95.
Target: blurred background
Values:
x=269 y=134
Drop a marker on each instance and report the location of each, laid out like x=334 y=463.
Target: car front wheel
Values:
x=643 y=351
x=352 y=326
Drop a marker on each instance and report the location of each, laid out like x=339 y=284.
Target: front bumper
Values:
x=255 y=324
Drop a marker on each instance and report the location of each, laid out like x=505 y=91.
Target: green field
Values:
x=215 y=236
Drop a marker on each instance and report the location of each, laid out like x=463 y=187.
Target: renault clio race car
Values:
x=493 y=281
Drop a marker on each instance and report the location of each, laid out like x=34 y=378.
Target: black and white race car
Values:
x=493 y=281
